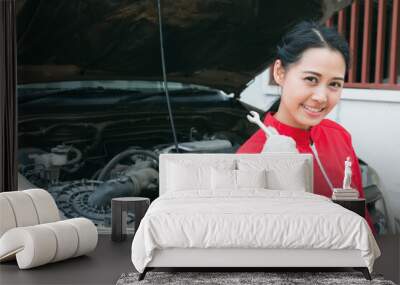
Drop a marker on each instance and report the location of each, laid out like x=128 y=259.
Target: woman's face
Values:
x=311 y=87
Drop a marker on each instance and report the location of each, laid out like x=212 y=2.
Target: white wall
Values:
x=373 y=119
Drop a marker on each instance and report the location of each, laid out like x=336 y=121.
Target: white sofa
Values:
x=31 y=231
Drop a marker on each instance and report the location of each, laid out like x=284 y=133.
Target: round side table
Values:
x=119 y=214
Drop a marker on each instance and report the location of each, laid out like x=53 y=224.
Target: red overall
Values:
x=333 y=145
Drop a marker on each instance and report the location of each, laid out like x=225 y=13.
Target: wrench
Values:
x=275 y=141
x=254 y=118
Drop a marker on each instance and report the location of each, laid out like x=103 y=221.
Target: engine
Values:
x=131 y=172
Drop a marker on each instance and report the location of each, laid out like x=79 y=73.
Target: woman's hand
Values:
x=279 y=143
x=275 y=142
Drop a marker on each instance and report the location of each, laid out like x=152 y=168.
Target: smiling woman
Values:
x=310 y=67
x=311 y=87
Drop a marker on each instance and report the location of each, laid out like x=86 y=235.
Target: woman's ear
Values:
x=279 y=72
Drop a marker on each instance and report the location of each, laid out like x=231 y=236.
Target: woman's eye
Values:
x=336 y=84
x=311 y=79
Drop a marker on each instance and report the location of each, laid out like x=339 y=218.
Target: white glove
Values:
x=275 y=142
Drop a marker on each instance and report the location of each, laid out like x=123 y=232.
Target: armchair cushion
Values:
x=40 y=244
x=31 y=232
x=26 y=208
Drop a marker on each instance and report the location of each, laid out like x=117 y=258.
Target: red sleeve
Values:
x=254 y=144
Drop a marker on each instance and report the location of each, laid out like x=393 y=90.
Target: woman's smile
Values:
x=313 y=111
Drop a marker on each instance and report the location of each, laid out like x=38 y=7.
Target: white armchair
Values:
x=31 y=230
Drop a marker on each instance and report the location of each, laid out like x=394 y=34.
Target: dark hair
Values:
x=303 y=36
x=307 y=35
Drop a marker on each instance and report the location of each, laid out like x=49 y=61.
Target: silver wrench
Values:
x=254 y=118
x=275 y=141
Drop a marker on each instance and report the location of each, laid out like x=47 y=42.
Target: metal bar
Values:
x=342 y=22
x=353 y=40
x=366 y=41
x=329 y=22
x=394 y=38
x=165 y=80
x=383 y=86
x=380 y=41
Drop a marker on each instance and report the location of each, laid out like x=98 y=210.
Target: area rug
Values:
x=243 y=278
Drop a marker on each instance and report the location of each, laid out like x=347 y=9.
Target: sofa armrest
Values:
x=40 y=244
x=26 y=208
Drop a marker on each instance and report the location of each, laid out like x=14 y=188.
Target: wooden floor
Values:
x=389 y=262
x=110 y=260
x=103 y=266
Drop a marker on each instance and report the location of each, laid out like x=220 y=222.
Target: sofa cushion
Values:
x=40 y=244
x=26 y=208
x=7 y=220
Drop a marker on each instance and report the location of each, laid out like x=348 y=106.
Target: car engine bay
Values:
x=84 y=160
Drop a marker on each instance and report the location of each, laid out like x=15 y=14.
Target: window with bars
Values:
x=372 y=30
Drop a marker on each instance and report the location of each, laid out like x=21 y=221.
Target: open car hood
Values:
x=221 y=44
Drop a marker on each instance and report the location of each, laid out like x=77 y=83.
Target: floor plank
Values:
x=111 y=259
x=389 y=262
x=103 y=266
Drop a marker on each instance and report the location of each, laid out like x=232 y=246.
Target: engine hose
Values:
x=77 y=158
x=103 y=176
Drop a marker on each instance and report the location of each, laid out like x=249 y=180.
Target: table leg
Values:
x=116 y=221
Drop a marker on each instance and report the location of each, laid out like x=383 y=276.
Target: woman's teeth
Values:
x=315 y=110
